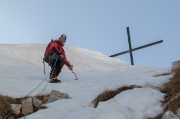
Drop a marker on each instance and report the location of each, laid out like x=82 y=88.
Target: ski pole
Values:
x=74 y=74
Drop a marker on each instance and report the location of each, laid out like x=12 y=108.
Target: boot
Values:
x=54 y=80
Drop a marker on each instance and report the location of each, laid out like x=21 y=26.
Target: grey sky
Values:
x=98 y=25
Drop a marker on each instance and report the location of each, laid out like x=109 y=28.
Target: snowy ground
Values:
x=21 y=70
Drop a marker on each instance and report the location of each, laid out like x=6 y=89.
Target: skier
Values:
x=57 y=58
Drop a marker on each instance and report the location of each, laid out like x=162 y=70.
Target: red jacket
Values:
x=57 y=47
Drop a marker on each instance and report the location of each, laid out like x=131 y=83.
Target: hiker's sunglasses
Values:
x=63 y=35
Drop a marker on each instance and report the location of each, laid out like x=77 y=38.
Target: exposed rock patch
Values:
x=21 y=107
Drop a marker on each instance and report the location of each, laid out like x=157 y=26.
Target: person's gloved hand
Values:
x=62 y=56
x=70 y=67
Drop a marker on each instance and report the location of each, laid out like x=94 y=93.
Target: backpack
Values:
x=47 y=52
x=47 y=55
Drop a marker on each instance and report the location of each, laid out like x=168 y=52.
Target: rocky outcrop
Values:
x=175 y=65
x=169 y=115
x=56 y=95
x=29 y=105
x=16 y=108
x=11 y=117
x=36 y=102
x=178 y=112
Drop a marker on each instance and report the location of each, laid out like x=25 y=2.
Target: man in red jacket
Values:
x=58 y=58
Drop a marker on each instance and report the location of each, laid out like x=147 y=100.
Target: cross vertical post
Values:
x=130 y=47
x=134 y=49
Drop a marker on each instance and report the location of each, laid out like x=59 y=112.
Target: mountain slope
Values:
x=32 y=54
x=22 y=70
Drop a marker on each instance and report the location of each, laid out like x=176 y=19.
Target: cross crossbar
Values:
x=144 y=46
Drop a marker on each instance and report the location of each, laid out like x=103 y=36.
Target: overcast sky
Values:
x=98 y=25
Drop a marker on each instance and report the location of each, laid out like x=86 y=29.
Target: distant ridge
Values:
x=32 y=54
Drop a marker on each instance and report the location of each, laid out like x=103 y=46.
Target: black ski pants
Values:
x=56 y=64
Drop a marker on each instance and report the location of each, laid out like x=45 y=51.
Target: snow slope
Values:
x=21 y=70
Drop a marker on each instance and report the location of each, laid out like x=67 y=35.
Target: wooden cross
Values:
x=130 y=47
